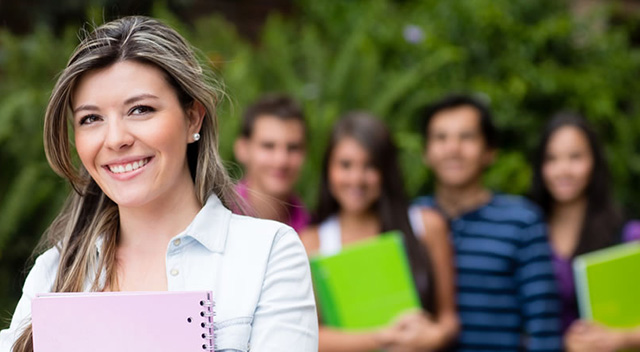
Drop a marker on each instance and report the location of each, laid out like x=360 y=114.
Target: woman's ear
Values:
x=195 y=116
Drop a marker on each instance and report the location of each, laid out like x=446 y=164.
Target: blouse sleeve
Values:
x=39 y=280
x=285 y=319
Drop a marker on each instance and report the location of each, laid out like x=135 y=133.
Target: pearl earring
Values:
x=196 y=137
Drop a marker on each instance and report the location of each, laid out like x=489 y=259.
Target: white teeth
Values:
x=118 y=169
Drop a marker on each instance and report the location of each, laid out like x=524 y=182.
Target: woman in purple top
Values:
x=571 y=184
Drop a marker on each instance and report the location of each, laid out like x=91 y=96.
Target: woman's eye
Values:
x=345 y=164
x=89 y=119
x=575 y=156
x=140 y=109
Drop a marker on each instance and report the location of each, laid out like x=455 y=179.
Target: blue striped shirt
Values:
x=506 y=291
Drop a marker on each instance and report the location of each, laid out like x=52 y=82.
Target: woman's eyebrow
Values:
x=139 y=97
x=89 y=107
x=85 y=107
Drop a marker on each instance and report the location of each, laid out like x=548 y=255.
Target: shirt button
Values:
x=175 y=272
x=177 y=242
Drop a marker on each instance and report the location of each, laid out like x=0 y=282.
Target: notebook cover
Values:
x=123 y=322
x=608 y=287
x=366 y=285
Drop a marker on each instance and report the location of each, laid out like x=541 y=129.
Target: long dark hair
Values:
x=603 y=220
x=392 y=206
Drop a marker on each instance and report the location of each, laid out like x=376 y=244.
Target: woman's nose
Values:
x=117 y=135
x=357 y=175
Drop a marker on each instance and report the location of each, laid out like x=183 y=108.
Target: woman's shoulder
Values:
x=436 y=229
x=248 y=226
x=246 y=229
x=47 y=261
x=310 y=238
x=432 y=219
x=261 y=241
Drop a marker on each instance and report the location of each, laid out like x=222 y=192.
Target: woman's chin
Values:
x=356 y=208
x=129 y=200
x=567 y=198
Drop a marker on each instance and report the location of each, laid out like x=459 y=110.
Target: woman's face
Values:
x=353 y=180
x=568 y=164
x=131 y=133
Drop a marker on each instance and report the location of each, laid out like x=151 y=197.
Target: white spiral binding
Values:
x=207 y=325
x=208 y=314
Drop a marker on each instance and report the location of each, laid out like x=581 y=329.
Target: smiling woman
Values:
x=149 y=208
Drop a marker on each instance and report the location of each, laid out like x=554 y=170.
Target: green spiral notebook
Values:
x=366 y=285
x=608 y=285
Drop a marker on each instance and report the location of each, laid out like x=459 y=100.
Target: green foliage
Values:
x=30 y=193
x=528 y=58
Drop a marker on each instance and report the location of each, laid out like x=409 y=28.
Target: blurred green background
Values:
x=528 y=59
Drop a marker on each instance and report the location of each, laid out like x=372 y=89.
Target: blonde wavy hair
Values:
x=88 y=213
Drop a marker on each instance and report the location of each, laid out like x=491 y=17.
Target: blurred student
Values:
x=506 y=293
x=271 y=147
x=571 y=185
x=361 y=196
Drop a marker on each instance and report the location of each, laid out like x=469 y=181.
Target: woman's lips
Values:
x=124 y=168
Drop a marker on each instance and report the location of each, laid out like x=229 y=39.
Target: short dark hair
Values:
x=456 y=101
x=280 y=106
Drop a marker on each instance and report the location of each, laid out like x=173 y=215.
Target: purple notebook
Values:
x=123 y=322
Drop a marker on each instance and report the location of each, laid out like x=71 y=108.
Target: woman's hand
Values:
x=337 y=340
x=585 y=336
x=413 y=332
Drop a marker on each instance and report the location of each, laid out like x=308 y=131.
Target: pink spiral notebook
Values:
x=123 y=322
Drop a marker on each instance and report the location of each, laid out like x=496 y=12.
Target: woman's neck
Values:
x=145 y=233
x=455 y=201
x=153 y=225
x=358 y=226
x=565 y=225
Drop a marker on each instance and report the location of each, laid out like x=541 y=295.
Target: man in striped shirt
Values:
x=506 y=292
